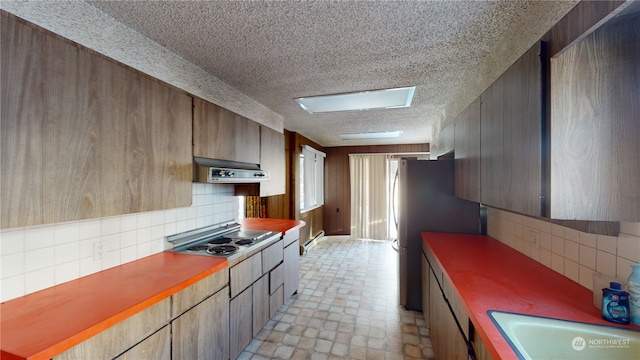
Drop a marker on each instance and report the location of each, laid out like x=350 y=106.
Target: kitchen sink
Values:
x=535 y=337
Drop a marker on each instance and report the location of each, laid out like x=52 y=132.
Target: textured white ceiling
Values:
x=275 y=51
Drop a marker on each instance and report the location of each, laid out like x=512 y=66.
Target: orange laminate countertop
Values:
x=488 y=275
x=48 y=322
x=279 y=225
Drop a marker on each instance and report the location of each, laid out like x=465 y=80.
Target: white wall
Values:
x=572 y=253
x=38 y=257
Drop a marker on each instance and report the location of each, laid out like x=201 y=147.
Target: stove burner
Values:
x=244 y=242
x=219 y=241
x=197 y=248
x=222 y=250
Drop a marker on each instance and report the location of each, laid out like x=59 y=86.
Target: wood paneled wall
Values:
x=279 y=206
x=337 y=195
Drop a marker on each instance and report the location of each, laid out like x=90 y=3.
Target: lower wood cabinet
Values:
x=261 y=313
x=241 y=322
x=449 y=326
x=122 y=337
x=156 y=346
x=203 y=331
x=291 y=268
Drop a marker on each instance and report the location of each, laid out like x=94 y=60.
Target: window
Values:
x=311 y=178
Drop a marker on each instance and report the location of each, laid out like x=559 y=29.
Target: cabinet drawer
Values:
x=187 y=298
x=291 y=236
x=245 y=273
x=122 y=335
x=276 y=278
x=272 y=256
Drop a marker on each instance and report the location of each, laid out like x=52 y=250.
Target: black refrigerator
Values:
x=426 y=202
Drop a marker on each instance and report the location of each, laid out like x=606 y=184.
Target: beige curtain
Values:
x=370 y=196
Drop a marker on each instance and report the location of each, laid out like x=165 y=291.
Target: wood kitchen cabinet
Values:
x=200 y=328
x=291 y=262
x=221 y=134
x=83 y=136
x=127 y=336
x=250 y=304
x=511 y=137
x=449 y=325
x=467 y=153
x=595 y=127
x=272 y=159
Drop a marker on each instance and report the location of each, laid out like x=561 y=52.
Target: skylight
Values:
x=358 y=101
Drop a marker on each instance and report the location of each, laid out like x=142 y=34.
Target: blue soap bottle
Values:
x=615 y=304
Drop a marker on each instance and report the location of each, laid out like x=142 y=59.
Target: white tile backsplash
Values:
x=35 y=258
x=570 y=252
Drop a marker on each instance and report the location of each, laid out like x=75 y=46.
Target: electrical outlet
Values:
x=98 y=250
x=533 y=238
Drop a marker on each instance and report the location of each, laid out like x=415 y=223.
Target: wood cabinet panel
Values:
x=467 y=153
x=241 y=322
x=77 y=137
x=245 y=273
x=276 y=300
x=291 y=268
x=261 y=298
x=446 y=339
x=272 y=256
x=123 y=335
x=511 y=137
x=203 y=331
x=157 y=161
x=595 y=128
x=272 y=159
x=187 y=298
x=276 y=278
x=156 y=346
x=221 y=134
x=424 y=270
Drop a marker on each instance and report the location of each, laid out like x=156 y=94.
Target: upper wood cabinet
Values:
x=467 y=153
x=511 y=137
x=272 y=159
x=595 y=126
x=83 y=136
x=221 y=134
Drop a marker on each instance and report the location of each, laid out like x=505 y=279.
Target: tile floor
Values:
x=346 y=308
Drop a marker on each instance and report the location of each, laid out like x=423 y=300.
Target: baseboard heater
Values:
x=311 y=242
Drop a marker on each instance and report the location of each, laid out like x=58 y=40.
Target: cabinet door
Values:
x=83 y=136
x=203 y=331
x=467 y=153
x=446 y=339
x=241 y=322
x=272 y=159
x=425 y=287
x=261 y=309
x=291 y=268
x=595 y=126
x=511 y=137
x=221 y=134
x=156 y=346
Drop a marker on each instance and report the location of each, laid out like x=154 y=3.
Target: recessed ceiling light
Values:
x=371 y=135
x=364 y=100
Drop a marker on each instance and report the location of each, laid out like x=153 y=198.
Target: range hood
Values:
x=216 y=171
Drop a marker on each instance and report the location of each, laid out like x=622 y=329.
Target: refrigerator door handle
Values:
x=395 y=245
